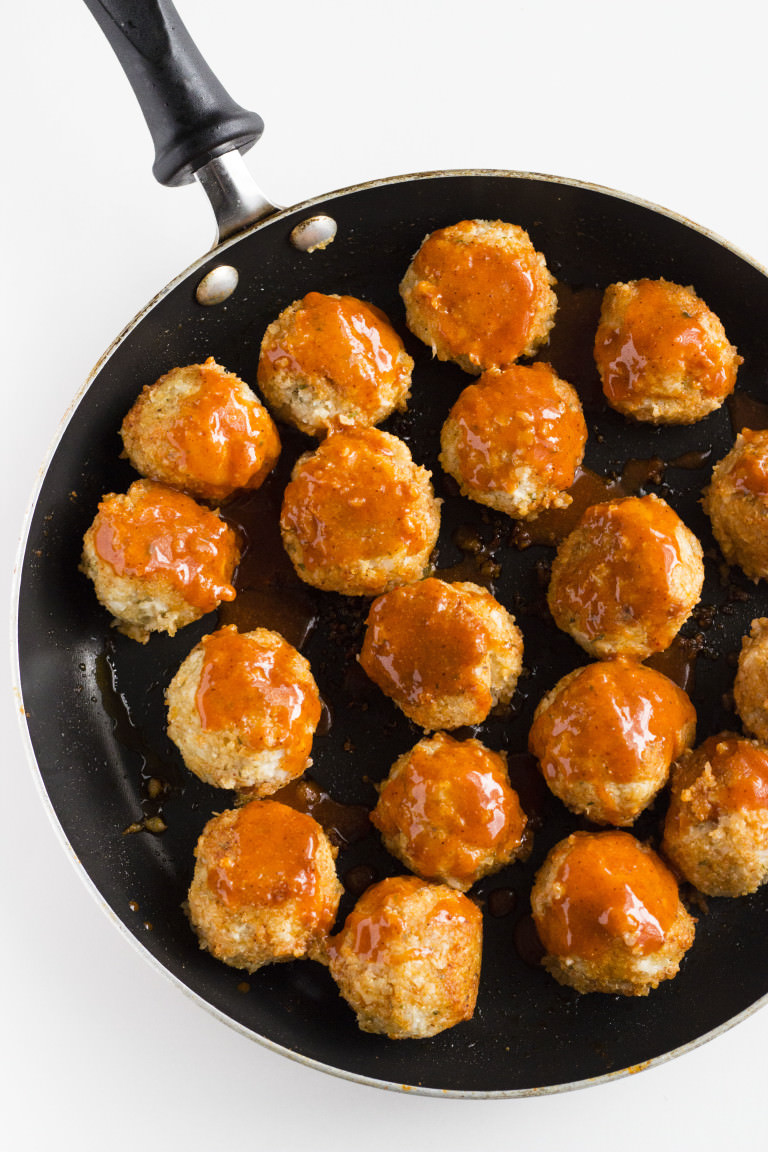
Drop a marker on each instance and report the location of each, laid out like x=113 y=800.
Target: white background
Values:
x=666 y=100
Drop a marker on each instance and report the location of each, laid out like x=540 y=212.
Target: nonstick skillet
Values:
x=94 y=700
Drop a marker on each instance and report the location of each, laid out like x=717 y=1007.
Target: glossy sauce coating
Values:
x=606 y=722
x=749 y=473
x=221 y=437
x=379 y=930
x=452 y=802
x=609 y=887
x=481 y=297
x=665 y=331
x=351 y=499
x=269 y=859
x=157 y=532
x=248 y=681
x=425 y=642
x=517 y=417
x=341 y=339
x=624 y=565
x=725 y=774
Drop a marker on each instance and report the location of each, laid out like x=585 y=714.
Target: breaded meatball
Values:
x=626 y=578
x=606 y=736
x=736 y=502
x=407 y=960
x=514 y=440
x=609 y=915
x=447 y=811
x=479 y=293
x=265 y=887
x=157 y=559
x=750 y=688
x=662 y=355
x=358 y=516
x=331 y=361
x=444 y=653
x=716 y=831
x=242 y=710
x=201 y=429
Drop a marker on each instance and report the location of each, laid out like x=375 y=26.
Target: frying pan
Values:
x=94 y=700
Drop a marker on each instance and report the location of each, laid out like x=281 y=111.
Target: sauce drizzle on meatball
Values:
x=608 y=891
x=162 y=531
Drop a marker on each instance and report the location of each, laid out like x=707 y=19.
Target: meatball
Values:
x=514 y=440
x=331 y=361
x=407 y=960
x=609 y=915
x=201 y=429
x=444 y=653
x=358 y=516
x=626 y=578
x=447 y=811
x=606 y=736
x=750 y=688
x=158 y=560
x=716 y=831
x=736 y=502
x=242 y=710
x=663 y=357
x=265 y=887
x=480 y=294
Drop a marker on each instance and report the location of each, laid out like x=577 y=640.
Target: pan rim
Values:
x=14 y=654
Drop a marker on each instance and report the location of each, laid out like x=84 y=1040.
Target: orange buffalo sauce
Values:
x=606 y=721
x=224 y=437
x=727 y=773
x=386 y=927
x=481 y=297
x=453 y=804
x=155 y=532
x=626 y=567
x=255 y=682
x=608 y=887
x=514 y=418
x=423 y=642
x=267 y=857
x=749 y=472
x=352 y=500
x=662 y=332
x=347 y=342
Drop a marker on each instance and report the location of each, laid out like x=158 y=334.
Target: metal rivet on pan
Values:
x=217 y=285
x=313 y=234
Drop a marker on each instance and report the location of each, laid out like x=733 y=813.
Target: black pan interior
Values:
x=94 y=700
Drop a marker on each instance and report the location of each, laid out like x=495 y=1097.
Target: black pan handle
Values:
x=190 y=115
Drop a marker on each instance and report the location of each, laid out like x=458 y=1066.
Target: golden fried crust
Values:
x=330 y=361
x=359 y=516
x=596 y=939
x=514 y=440
x=447 y=811
x=407 y=960
x=201 y=429
x=444 y=653
x=157 y=559
x=606 y=735
x=264 y=888
x=662 y=355
x=750 y=687
x=243 y=709
x=480 y=294
x=627 y=578
x=736 y=502
x=716 y=829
